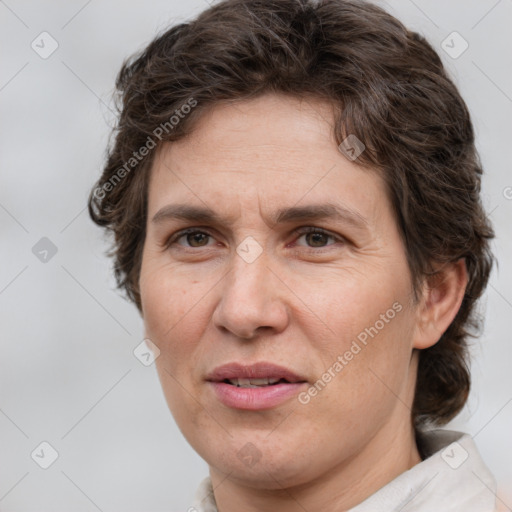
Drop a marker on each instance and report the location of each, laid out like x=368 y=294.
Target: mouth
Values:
x=258 y=386
x=257 y=374
x=255 y=383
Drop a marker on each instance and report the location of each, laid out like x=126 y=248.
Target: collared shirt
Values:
x=451 y=478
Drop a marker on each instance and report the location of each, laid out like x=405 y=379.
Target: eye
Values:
x=194 y=237
x=317 y=237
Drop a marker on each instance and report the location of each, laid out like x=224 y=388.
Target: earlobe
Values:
x=442 y=297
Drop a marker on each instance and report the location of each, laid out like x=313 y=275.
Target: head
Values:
x=253 y=111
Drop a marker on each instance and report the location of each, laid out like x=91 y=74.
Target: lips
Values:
x=254 y=387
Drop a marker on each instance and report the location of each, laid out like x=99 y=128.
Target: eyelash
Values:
x=300 y=231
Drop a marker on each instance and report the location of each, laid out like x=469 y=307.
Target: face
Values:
x=298 y=273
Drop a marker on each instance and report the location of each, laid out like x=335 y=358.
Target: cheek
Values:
x=376 y=363
x=348 y=301
x=164 y=295
x=172 y=311
x=169 y=302
x=370 y=327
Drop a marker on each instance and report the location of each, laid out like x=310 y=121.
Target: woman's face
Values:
x=332 y=310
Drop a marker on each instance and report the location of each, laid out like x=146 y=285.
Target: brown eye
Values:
x=194 y=239
x=317 y=238
x=197 y=237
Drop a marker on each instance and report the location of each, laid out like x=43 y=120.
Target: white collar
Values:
x=453 y=478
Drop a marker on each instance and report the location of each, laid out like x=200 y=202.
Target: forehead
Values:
x=274 y=151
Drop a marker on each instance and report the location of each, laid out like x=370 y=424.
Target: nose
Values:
x=253 y=298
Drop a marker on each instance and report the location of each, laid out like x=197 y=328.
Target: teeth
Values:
x=252 y=383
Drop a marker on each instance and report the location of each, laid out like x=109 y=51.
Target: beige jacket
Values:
x=452 y=478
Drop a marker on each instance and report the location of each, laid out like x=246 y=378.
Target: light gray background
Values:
x=68 y=375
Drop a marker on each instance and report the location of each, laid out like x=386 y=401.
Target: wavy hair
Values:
x=387 y=86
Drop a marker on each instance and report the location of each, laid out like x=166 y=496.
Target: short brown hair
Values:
x=387 y=86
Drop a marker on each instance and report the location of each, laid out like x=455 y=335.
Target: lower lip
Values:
x=255 y=399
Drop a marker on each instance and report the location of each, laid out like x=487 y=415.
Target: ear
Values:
x=442 y=297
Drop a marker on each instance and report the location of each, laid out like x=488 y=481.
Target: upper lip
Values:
x=259 y=370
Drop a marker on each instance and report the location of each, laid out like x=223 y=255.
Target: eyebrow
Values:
x=312 y=212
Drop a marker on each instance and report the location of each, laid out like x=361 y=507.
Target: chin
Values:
x=268 y=466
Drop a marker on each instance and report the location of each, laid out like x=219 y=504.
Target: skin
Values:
x=300 y=304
